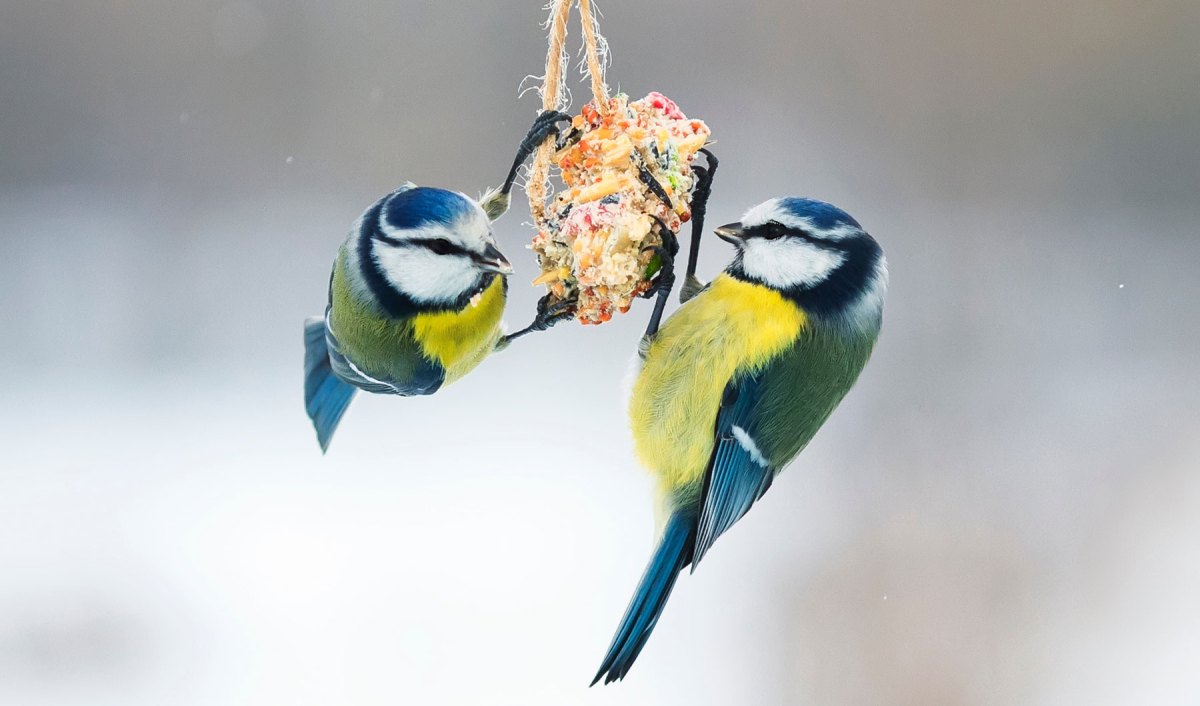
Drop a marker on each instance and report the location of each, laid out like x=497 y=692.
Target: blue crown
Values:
x=823 y=215
x=413 y=208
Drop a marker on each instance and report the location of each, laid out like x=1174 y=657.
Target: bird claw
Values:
x=661 y=289
x=666 y=253
x=666 y=275
x=549 y=117
x=670 y=240
x=549 y=314
x=565 y=141
x=656 y=188
x=701 y=190
x=545 y=125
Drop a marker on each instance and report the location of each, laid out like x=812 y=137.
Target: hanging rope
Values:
x=595 y=44
x=537 y=184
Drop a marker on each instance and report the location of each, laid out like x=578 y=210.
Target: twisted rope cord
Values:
x=537 y=183
x=587 y=18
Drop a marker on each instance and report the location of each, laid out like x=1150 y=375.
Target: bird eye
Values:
x=773 y=229
x=441 y=246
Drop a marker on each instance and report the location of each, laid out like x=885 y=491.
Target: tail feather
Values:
x=326 y=397
x=672 y=555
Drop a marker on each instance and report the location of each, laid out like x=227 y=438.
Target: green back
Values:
x=382 y=347
x=802 y=387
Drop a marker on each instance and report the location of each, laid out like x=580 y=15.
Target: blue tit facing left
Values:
x=416 y=296
x=738 y=381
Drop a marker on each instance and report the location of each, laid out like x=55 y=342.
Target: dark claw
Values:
x=666 y=252
x=666 y=275
x=544 y=126
x=655 y=187
x=667 y=235
x=568 y=139
x=700 y=194
x=549 y=117
x=548 y=314
x=665 y=281
x=703 y=182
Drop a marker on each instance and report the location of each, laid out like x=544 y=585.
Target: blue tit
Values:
x=738 y=381
x=416 y=296
x=415 y=302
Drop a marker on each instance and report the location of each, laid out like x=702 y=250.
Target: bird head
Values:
x=812 y=252
x=434 y=245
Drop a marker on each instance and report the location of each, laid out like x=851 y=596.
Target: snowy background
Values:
x=1005 y=511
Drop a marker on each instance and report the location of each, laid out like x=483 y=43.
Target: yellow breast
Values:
x=460 y=340
x=731 y=326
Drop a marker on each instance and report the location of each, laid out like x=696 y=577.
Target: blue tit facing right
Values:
x=738 y=381
x=415 y=297
x=415 y=302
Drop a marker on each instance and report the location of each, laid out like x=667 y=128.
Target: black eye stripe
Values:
x=441 y=246
x=387 y=239
x=772 y=230
x=437 y=245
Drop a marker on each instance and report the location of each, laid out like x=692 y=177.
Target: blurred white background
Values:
x=1005 y=511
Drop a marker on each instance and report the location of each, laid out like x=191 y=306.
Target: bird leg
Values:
x=495 y=202
x=704 y=178
x=666 y=276
x=548 y=314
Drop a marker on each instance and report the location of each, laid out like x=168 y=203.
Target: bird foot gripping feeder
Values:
x=626 y=174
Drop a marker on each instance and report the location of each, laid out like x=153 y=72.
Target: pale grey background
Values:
x=1005 y=511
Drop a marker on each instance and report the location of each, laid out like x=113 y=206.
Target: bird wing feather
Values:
x=347 y=371
x=737 y=473
x=768 y=416
x=370 y=350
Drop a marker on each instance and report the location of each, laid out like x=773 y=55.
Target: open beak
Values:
x=731 y=233
x=493 y=260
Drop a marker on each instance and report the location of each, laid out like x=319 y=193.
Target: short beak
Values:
x=731 y=233
x=493 y=260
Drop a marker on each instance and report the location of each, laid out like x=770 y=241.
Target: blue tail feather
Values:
x=672 y=555
x=326 y=397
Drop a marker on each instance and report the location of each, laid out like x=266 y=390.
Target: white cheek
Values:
x=424 y=275
x=789 y=262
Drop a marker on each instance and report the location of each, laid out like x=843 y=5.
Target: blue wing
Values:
x=326 y=396
x=737 y=473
